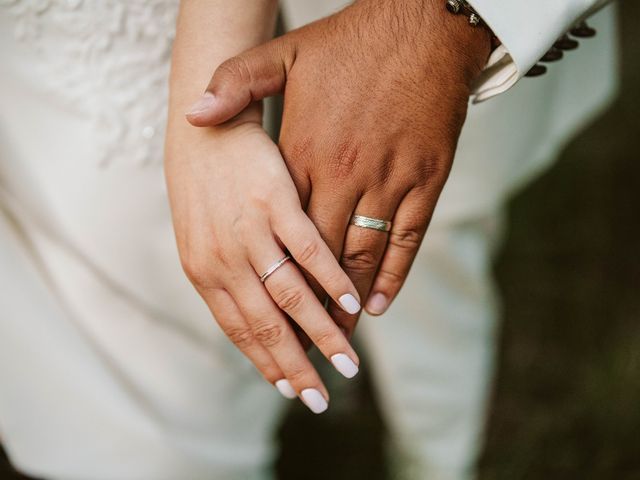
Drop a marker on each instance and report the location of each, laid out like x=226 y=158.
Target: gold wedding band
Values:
x=371 y=223
x=273 y=268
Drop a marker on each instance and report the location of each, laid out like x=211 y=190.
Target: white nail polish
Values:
x=344 y=365
x=349 y=303
x=313 y=399
x=285 y=389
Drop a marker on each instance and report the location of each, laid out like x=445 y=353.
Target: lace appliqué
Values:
x=110 y=60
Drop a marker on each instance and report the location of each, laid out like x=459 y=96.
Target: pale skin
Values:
x=375 y=98
x=235 y=209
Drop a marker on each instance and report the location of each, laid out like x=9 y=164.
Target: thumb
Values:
x=251 y=76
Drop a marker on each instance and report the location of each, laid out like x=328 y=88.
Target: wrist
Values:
x=183 y=139
x=434 y=34
x=467 y=45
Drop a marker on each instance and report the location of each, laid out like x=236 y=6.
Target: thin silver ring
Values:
x=273 y=268
x=371 y=223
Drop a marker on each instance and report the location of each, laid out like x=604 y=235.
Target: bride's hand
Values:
x=236 y=212
x=375 y=99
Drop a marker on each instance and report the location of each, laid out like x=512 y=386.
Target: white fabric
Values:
x=110 y=366
x=526 y=31
x=432 y=354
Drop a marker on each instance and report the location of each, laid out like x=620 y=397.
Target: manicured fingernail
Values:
x=349 y=303
x=285 y=388
x=205 y=103
x=377 y=304
x=313 y=399
x=344 y=365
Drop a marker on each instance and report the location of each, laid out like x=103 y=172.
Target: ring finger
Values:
x=291 y=293
x=363 y=250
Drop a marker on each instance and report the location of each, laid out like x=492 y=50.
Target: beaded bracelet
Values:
x=461 y=6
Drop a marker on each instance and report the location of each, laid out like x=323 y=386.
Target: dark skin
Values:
x=375 y=98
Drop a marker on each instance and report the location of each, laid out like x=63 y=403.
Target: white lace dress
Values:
x=106 y=352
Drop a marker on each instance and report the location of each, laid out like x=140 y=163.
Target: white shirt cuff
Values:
x=526 y=30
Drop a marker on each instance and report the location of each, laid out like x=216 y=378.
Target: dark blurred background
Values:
x=566 y=403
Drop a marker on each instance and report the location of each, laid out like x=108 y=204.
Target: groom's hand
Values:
x=375 y=98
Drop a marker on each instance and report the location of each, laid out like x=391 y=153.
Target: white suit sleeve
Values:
x=526 y=29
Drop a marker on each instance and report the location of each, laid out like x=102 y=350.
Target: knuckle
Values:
x=360 y=261
x=308 y=252
x=290 y=299
x=297 y=152
x=241 y=337
x=270 y=373
x=344 y=158
x=201 y=269
x=433 y=168
x=440 y=170
x=298 y=374
x=325 y=338
x=406 y=238
x=391 y=276
x=269 y=334
x=235 y=67
x=262 y=200
x=198 y=273
x=219 y=255
x=336 y=280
